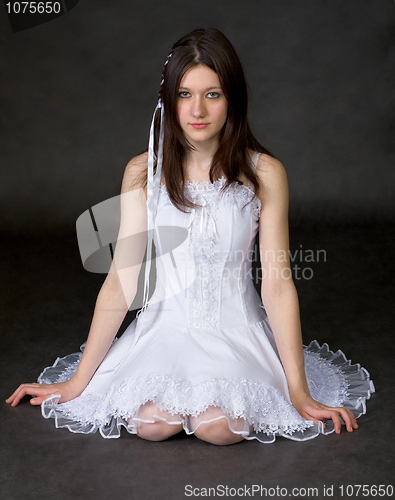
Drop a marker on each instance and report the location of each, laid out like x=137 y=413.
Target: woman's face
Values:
x=202 y=106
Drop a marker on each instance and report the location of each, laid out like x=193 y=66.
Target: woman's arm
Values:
x=279 y=294
x=115 y=296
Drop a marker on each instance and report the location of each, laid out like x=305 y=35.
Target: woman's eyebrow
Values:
x=209 y=88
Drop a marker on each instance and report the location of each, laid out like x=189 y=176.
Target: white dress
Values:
x=203 y=349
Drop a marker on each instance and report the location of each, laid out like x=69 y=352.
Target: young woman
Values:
x=205 y=354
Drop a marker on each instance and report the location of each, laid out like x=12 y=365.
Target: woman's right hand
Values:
x=68 y=390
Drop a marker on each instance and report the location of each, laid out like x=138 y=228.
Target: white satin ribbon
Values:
x=205 y=218
x=153 y=183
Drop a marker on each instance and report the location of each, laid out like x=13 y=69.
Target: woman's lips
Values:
x=199 y=125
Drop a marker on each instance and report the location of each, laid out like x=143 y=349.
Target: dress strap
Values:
x=254 y=163
x=254 y=159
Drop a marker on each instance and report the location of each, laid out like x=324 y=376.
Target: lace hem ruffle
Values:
x=252 y=410
x=355 y=385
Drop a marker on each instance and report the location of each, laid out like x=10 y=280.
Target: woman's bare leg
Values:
x=159 y=430
x=218 y=431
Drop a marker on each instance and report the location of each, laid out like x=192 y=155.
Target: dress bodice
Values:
x=206 y=281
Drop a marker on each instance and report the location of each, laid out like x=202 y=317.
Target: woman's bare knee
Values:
x=217 y=432
x=157 y=431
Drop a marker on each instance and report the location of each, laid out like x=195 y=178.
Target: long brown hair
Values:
x=209 y=47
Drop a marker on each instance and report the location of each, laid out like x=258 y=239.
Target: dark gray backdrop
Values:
x=77 y=96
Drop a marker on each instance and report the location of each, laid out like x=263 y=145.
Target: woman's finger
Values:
x=328 y=414
x=348 y=417
x=336 y=420
x=13 y=395
x=334 y=414
x=23 y=390
x=18 y=395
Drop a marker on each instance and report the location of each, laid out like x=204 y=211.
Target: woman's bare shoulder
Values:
x=271 y=173
x=135 y=172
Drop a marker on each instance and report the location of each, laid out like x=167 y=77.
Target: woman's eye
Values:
x=211 y=95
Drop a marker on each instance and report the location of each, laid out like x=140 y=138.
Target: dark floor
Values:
x=49 y=299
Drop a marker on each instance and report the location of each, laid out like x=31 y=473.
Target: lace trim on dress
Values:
x=336 y=382
x=203 y=303
x=237 y=193
x=266 y=409
x=327 y=368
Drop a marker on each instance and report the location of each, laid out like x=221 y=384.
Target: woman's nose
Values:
x=198 y=108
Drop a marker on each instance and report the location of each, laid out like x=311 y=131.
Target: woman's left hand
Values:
x=310 y=409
